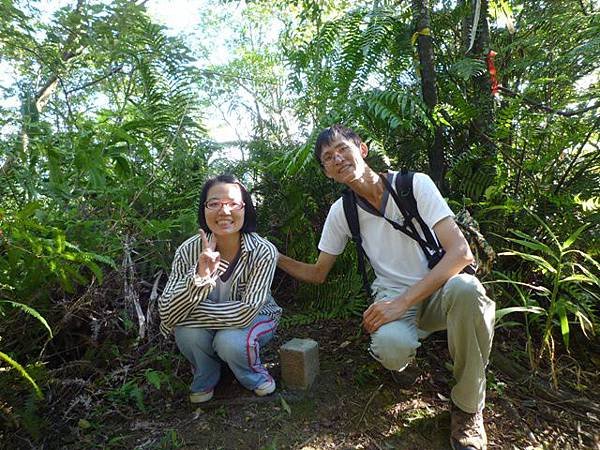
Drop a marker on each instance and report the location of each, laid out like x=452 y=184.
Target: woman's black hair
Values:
x=249 y=210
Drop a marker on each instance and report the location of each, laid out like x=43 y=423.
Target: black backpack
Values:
x=407 y=204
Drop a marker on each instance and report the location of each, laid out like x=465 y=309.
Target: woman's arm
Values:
x=181 y=295
x=258 y=275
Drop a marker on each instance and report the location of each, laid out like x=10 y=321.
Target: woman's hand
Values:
x=209 y=258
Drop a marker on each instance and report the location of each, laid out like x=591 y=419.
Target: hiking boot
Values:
x=201 y=397
x=466 y=430
x=407 y=377
x=266 y=388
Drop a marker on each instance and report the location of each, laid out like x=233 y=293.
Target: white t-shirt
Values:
x=397 y=259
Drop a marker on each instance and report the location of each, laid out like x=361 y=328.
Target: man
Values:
x=410 y=299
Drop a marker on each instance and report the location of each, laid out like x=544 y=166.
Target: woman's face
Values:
x=224 y=209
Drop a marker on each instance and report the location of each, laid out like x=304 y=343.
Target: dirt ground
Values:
x=355 y=404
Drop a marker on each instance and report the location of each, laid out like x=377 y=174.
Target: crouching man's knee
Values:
x=394 y=345
x=466 y=292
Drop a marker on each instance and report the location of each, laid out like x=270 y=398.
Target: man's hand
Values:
x=209 y=258
x=382 y=312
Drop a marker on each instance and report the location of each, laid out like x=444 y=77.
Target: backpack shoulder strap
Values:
x=404 y=188
x=407 y=203
x=351 y=213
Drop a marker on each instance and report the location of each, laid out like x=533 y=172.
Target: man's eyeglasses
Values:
x=328 y=157
x=216 y=205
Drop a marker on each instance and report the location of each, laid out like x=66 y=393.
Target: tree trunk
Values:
x=481 y=172
x=481 y=97
x=422 y=23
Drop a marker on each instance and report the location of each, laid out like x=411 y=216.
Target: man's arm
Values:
x=310 y=273
x=458 y=255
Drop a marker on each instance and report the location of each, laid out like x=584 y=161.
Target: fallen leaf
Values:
x=443 y=398
x=344 y=344
x=285 y=405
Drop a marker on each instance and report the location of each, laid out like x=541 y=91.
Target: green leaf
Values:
x=574 y=236
x=579 y=278
x=154 y=378
x=540 y=289
x=538 y=245
x=564 y=323
x=285 y=405
x=95 y=270
x=500 y=313
x=103 y=259
x=60 y=242
x=538 y=260
x=23 y=372
x=28 y=210
x=29 y=310
x=137 y=394
x=584 y=322
x=585 y=256
x=545 y=225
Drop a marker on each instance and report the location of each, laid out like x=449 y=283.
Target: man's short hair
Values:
x=330 y=134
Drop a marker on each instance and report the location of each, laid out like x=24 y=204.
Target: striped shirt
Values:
x=184 y=303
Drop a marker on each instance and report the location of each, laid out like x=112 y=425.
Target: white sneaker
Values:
x=266 y=388
x=201 y=397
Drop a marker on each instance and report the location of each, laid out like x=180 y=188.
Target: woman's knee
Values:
x=189 y=338
x=394 y=346
x=230 y=345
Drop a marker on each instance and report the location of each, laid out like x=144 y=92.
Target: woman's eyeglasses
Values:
x=216 y=205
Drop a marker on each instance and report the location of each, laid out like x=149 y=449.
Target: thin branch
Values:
x=547 y=108
x=234 y=77
x=96 y=81
x=576 y=157
x=508 y=157
x=66 y=94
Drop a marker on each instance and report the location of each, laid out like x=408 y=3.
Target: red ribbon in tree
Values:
x=489 y=59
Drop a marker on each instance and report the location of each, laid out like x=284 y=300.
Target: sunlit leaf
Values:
x=564 y=323
x=574 y=236
x=540 y=262
x=22 y=372
x=31 y=311
x=500 y=313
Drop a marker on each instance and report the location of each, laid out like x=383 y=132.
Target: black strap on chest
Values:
x=405 y=200
x=351 y=213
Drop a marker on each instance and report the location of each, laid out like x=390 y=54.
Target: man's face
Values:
x=343 y=160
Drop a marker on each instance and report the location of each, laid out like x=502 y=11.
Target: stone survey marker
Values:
x=299 y=362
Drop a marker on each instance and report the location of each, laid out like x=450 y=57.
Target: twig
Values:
x=153 y=298
x=545 y=108
x=307 y=441
x=576 y=157
x=97 y=80
x=129 y=292
x=239 y=401
x=375 y=392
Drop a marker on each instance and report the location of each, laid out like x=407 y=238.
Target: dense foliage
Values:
x=102 y=158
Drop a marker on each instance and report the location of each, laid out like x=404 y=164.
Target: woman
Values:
x=217 y=300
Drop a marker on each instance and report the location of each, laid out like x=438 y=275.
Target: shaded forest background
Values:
x=104 y=152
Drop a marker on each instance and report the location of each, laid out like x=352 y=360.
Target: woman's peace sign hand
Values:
x=209 y=257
